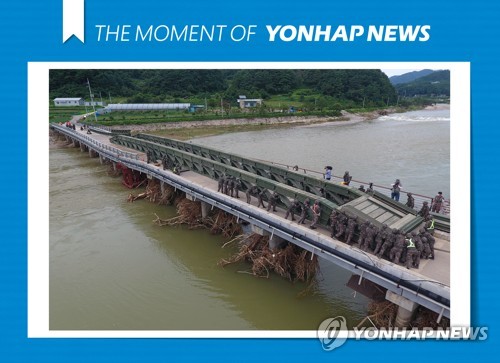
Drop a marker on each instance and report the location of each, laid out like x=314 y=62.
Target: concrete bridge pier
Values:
x=205 y=209
x=406 y=309
x=92 y=153
x=275 y=242
x=76 y=143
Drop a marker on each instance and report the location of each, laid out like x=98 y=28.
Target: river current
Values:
x=111 y=268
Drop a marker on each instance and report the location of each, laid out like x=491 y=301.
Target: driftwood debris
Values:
x=291 y=262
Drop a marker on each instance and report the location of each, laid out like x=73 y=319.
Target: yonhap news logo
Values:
x=333 y=333
x=329 y=333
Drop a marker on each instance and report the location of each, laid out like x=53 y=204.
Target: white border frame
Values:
x=38 y=180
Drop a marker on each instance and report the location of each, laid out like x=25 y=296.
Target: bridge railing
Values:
x=89 y=140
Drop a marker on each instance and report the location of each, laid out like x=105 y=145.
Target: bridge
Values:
x=429 y=285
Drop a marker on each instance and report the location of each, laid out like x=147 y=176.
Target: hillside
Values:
x=315 y=89
x=410 y=76
x=432 y=85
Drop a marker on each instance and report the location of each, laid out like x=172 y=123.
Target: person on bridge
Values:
x=352 y=224
x=388 y=243
x=316 y=213
x=362 y=188
x=362 y=233
x=411 y=251
x=347 y=178
x=430 y=240
x=273 y=201
x=371 y=231
x=220 y=183
x=424 y=211
x=396 y=189
x=333 y=222
x=328 y=172
x=410 y=202
x=370 y=189
x=397 y=250
x=438 y=202
x=292 y=209
x=306 y=206
x=341 y=225
x=429 y=224
x=252 y=191
x=261 y=196
x=237 y=187
x=230 y=186
x=164 y=162
x=88 y=132
x=148 y=156
x=380 y=238
x=225 y=185
x=420 y=248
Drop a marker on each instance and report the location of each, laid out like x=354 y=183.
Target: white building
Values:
x=76 y=101
x=249 y=102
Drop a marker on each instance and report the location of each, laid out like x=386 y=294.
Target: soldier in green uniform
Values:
x=388 y=243
x=352 y=223
x=380 y=238
x=410 y=202
x=316 y=211
x=273 y=201
x=292 y=209
x=411 y=253
x=397 y=250
x=305 y=211
x=260 y=197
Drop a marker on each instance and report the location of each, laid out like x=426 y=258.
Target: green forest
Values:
x=311 y=89
x=436 y=84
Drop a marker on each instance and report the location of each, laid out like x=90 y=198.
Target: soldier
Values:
x=347 y=178
x=438 y=202
x=305 y=211
x=362 y=188
x=261 y=196
x=220 y=183
x=225 y=185
x=230 y=186
x=292 y=208
x=429 y=224
x=431 y=241
x=341 y=225
x=410 y=202
x=388 y=243
x=352 y=223
x=397 y=250
x=316 y=211
x=370 y=235
x=148 y=156
x=164 y=162
x=251 y=191
x=237 y=187
x=333 y=222
x=424 y=211
x=362 y=233
x=380 y=238
x=412 y=253
x=419 y=246
x=273 y=201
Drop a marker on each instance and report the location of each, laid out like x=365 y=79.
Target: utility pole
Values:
x=92 y=100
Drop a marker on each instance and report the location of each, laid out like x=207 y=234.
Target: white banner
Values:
x=73 y=19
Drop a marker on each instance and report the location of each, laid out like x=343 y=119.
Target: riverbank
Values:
x=192 y=129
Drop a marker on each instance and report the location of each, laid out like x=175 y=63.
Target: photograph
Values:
x=248 y=199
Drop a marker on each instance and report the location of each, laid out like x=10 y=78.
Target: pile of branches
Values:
x=223 y=223
x=291 y=262
x=188 y=212
x=425 y=318
x=382 y=314
x=154 y=194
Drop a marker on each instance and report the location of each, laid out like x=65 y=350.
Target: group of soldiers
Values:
x=392 y=244
x=437 y=204
x=229 y=185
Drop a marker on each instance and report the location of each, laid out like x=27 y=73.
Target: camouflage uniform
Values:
x=410 y=202
x=220 y=183
x=380 y=238
x=419 y=246
x=251 y=191
x=438 y=202
x=292 y=208
x=412 y=253
x=316 y=213
x=305 y=212
x=237 y=187
x=388 y=243
x=431 y=241
x=230 y=186
x=333 y=222
x=341 y=225
x=352 y=223
x=370 y=235
x=273 y=201
x=362 y=233
x=429 y=224
x=226 y=185
x=424 y=211
x=164 y=162
x=398 y=248
x=261 y=199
